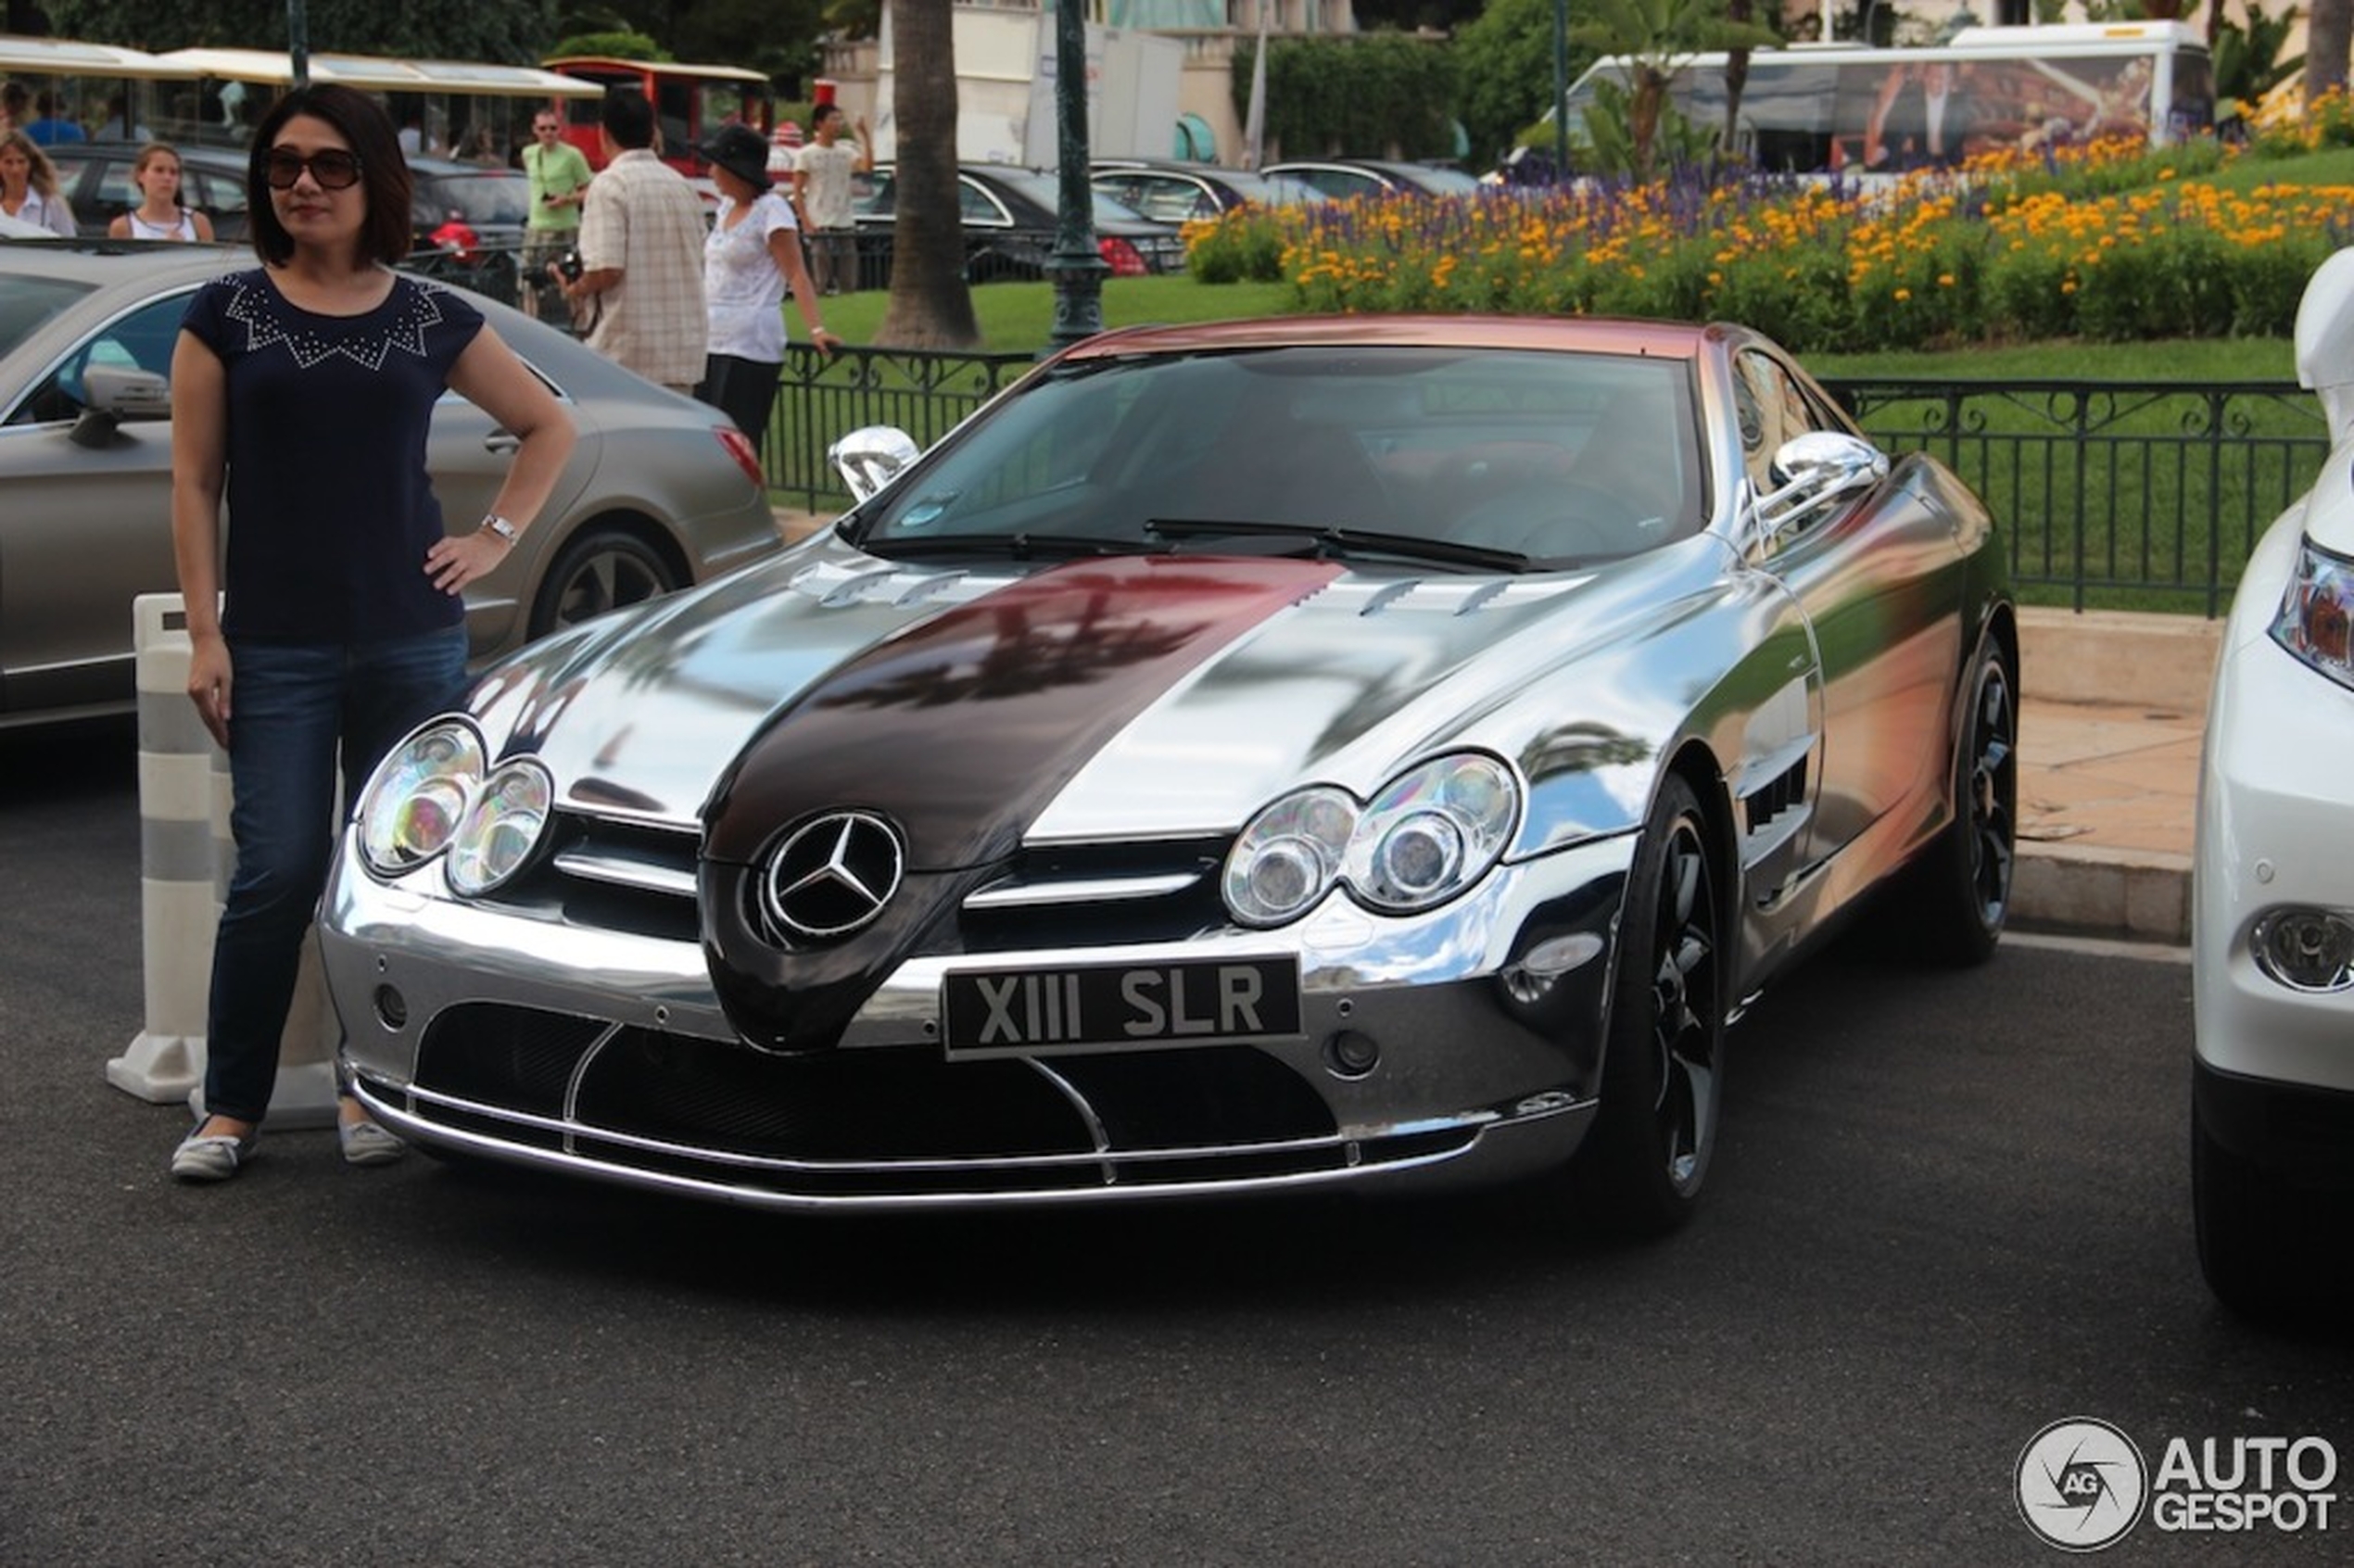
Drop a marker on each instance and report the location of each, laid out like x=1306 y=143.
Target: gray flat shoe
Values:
x=364 y=1143
x=212 y=1158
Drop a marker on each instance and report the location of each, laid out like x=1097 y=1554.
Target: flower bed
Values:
x=2110 y=240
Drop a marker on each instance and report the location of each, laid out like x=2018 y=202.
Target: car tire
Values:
x=1961 y=889
x=1641 y=1169
x=2253 y=1257
x=602 y=570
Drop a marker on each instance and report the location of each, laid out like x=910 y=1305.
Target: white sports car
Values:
x=2273 y=1103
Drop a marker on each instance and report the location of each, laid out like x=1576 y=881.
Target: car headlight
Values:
x=1428 y=834
x=2316 y=618
x=418 y=796
x=501 y=827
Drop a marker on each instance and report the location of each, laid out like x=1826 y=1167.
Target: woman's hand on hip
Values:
x=454 y=562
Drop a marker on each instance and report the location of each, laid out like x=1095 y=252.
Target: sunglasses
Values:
x=335 y=171
x=544 y=130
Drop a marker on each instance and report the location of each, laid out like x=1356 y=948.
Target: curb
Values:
x=2164 y=663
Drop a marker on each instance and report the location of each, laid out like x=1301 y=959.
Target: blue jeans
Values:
x=292 y=706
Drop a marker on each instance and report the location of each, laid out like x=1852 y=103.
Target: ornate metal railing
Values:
x=2111 y=495
x=819 y=400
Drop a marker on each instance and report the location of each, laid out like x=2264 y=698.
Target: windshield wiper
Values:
x=1020 y=546
x=1321 y=542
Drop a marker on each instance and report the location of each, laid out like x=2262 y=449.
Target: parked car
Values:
x=469 y=222
x=2272 y=921
x=1171 y=192
x=661 y=491
x=1366 y=752
x=1009 y=219
x=96 y=180
x=1341 y=178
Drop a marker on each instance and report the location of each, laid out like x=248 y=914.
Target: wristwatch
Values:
x=506 y=531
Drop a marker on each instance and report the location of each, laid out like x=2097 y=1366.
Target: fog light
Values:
x=392 y=1008
x=1352 y=1054
x=2306 y=949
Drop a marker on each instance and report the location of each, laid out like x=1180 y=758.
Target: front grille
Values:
x=1097 y=895
x=889 y=1123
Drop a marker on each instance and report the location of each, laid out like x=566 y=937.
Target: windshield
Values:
x=1554 y=457
x=26 y=303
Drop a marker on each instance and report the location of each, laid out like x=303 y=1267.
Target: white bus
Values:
x=1813 y=107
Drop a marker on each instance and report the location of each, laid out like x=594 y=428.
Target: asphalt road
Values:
x=1949 y=1210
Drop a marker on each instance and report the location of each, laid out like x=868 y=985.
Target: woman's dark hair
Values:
x=383 y=171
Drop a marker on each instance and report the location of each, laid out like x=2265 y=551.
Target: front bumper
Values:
x=2271 y=834
x=482 y=1031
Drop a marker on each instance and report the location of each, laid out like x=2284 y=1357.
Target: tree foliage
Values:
x=516 y=33
x=1367 y=95
x=1504 y=65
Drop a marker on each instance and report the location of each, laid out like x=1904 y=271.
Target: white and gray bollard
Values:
x=185 y=861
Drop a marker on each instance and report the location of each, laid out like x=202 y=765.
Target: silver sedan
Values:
x=659 y=493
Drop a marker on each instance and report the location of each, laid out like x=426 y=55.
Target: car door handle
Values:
x=506 y=443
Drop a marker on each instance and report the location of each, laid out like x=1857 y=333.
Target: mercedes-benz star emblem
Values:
x=833 y=876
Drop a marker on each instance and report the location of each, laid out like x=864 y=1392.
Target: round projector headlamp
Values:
x=501 y=830
x=418 y=795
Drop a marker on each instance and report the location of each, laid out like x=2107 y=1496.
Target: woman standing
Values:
x=29 y=185
x=303 y=390
x=159 y=215
x=752 y=256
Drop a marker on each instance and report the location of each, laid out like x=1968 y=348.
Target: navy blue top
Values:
x=331 y=511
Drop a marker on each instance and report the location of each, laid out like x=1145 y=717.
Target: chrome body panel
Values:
x=1803 y=679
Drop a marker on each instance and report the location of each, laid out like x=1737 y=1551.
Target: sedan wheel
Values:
x=1641 y=1168
x=603 y=569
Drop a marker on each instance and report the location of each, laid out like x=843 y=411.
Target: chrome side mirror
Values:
x=113 y=397
x=871 y=457
x=1814 y=468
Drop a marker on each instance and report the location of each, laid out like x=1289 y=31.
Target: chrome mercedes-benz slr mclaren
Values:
x=1246 y=758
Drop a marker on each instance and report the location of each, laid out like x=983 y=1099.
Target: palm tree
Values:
x=1659 y=38
x=930 y=305
x=2329 y=37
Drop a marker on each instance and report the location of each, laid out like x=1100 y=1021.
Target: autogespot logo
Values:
x=2080 y=1484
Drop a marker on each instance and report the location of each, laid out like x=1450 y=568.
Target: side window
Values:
x=220 y=197
x=978 y=209
x=142 y=340
x=1773 y=408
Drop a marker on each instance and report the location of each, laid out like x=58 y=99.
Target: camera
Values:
x=569 y=265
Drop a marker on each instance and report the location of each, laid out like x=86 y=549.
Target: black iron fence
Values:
x=2111 y=495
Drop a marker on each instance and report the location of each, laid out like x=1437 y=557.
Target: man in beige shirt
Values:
x=641 y=237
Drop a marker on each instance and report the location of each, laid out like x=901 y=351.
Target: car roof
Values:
x=1673 y=340
x=104 y=263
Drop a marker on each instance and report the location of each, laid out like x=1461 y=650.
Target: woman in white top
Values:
x=29 y=185
x=753 y=255
x=159 y=215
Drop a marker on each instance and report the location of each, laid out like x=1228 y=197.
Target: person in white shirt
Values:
x=821 y=188
x=29 y=185
x=752 y=258
x=159 y=215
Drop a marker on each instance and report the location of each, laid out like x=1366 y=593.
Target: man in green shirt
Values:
x=559 y=184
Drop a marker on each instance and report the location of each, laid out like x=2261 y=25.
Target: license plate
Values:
x=1103 y=1004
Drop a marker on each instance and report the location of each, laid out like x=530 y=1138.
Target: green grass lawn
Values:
x=1017 y=317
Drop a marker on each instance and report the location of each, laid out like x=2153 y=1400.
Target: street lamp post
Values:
x=1077 y=266
x=299 y=42
x=1561 y=89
